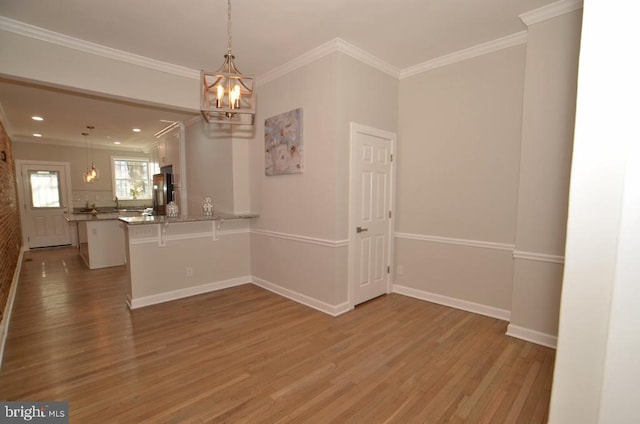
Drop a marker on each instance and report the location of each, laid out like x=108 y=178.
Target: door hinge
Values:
x=388 y=269
x=389 y=214
x=391 y=158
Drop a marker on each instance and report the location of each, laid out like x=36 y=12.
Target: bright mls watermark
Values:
x=34 y=412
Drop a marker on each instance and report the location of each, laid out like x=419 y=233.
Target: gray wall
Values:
x=209 y=167
x=483 y=173
x=458 y=163
x=545 y=164
x=297 y=243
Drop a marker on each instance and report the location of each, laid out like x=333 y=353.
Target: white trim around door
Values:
x=66 y=199
x=371 y=212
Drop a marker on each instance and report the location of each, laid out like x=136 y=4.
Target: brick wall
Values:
x=10 y=231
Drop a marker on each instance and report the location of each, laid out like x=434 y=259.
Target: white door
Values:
x=371 y=198
x=44 y=204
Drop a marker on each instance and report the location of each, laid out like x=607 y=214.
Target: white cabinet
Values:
x=102 y=243
x=168 y=150
x=172 y=146
x=154 y=159
x=161 y=148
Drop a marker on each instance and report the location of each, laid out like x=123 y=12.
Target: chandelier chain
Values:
x=229 y=26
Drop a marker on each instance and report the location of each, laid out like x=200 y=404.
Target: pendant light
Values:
x=87 y=173
x=226 y=95
x=92 y=173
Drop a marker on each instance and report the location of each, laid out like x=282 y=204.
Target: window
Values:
x=131 y=179
x=45 y=189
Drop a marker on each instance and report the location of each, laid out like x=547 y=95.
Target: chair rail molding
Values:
x=303 y=239
x=457 y=241
x=539 y=257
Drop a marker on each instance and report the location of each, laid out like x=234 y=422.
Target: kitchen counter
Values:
x=145 y=220
x=107 y=216
x=170 y=258
x=100 y=239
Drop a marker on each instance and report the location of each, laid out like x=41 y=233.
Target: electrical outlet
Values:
x=189 y=271
x=400 y=270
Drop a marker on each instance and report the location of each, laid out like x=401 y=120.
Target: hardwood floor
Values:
x=245 y=355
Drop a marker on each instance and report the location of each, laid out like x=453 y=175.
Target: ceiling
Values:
x=265 y=35
x=67 y=115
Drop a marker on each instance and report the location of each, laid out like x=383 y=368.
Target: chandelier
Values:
x=226 y=95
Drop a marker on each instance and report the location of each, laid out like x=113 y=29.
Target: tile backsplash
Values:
x=103 y=199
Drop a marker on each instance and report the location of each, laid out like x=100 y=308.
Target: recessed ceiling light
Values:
x=137 y=130
x=36 y=135
x=116 y=142
x=37 y=118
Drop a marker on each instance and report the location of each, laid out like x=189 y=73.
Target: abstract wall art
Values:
x=283 y=147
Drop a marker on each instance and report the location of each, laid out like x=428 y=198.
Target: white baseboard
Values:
x=532 y=336
x=333 y=310
x=186 y=292
x=465 y=305
x=6 y=316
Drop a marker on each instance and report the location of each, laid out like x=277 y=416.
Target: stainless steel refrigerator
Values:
x=162 y=190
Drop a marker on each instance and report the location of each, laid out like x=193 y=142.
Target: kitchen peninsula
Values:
x=101 y=237
x=171 y=258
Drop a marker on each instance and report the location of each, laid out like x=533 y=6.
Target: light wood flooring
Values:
x=245 y=355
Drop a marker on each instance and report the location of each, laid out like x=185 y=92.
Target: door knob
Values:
x=360 y=229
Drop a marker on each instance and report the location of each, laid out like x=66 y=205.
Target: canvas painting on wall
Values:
x=283 y=148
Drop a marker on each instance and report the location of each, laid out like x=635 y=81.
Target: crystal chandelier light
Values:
x=226 y=95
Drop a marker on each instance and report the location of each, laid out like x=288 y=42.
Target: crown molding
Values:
x=367 y=58
x=300 y=61
x=48 y=36
x=471 y=52
x=550 y=11
x=335 y=45
x=66 y=143
x=332 y=46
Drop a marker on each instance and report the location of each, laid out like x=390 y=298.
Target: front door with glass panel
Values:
x=44 y=205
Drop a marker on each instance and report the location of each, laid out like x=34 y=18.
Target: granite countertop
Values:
x=155 y=219
x=86 y=217
x=103 y=213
